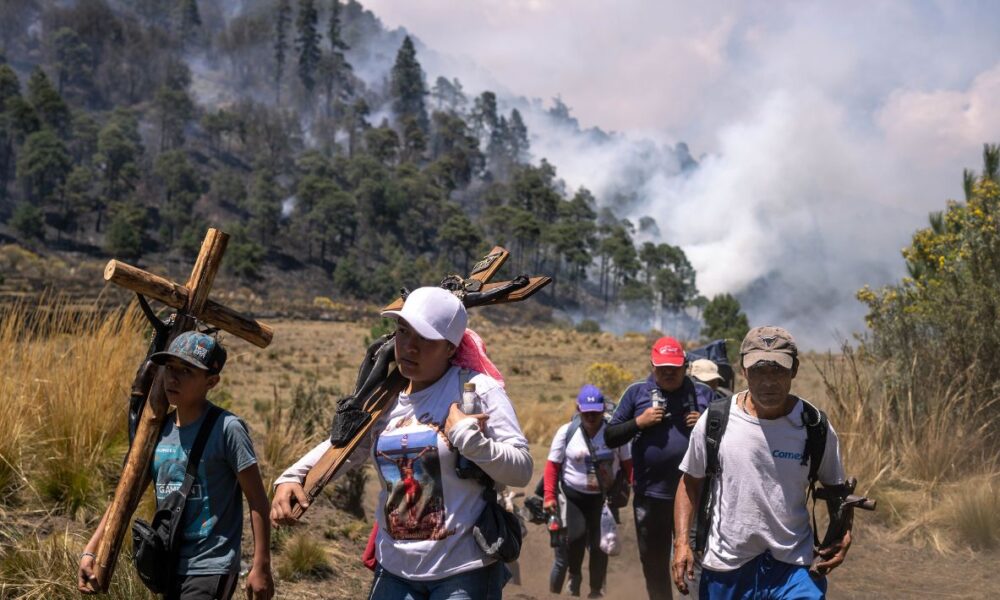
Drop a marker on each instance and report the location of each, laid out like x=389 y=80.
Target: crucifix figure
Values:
x=379 y=381
x=192 y=305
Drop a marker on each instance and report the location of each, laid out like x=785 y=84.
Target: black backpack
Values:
x=155 y=545
x=816 y=424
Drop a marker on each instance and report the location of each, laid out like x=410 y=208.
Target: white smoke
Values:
x=826 y=132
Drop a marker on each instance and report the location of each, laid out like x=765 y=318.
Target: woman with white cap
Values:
x=425 y=546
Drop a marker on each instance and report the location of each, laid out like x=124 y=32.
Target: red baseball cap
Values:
x=667 y=352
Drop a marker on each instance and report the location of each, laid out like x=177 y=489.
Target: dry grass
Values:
x=64 y=372
x=303 y=557
x=933 y=469
x=36 y=568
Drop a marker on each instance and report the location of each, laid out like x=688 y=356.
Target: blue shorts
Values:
x=762 y=578
x=485 y=583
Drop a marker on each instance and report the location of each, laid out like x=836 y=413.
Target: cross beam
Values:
x=192 y=302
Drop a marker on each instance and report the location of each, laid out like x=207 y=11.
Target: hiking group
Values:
x=742 y=504
x=450 y=443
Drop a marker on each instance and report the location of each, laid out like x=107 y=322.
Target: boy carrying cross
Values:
x=212 y=528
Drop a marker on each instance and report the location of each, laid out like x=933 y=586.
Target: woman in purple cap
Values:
x=425 y=546
x=580 y=471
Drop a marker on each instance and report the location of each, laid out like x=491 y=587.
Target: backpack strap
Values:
x=691 y=395
x=817 y=427
x=198 y=448
x=574 y=426
x=715 y=427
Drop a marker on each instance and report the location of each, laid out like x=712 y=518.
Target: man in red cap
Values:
x=657 y=415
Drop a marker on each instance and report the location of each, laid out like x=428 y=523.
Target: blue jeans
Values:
x=763 y=578
x=485 y=583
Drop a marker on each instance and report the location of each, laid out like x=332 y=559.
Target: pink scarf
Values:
x=471 y=354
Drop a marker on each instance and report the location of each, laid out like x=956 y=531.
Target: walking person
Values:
x=707 y=372
x=211 y=527
x=580 y=471
x=428 y=551
x=759 y=541
x=656 y=415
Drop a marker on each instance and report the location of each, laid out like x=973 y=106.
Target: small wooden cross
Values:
x=191 y=301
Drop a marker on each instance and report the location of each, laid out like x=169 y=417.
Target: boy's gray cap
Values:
x=768 y=343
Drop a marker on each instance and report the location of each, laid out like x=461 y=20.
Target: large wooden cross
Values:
x=192 y=303
x=475 y=290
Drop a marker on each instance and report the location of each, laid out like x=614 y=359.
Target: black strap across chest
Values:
x=198 y=448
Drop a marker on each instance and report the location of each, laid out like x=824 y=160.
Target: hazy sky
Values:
x=840 y=124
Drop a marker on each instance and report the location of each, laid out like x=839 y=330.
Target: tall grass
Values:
x=36 y=568
x=930 y=456
x=64 y=377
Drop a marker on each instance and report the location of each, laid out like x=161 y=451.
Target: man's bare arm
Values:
x=685 y=500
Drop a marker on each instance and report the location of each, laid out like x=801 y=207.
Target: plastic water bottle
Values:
x=656 y=398
x=465 y=468
x=470 y=399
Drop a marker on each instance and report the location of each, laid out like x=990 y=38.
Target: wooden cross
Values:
x=191 y=301
x=476 y=291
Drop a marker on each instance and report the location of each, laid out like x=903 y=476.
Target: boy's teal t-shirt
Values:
x=213 y=515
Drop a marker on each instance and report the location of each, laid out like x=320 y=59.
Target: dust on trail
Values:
x=876 y=568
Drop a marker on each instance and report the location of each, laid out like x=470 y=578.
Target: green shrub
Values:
x=938 y=330
x=29 y=221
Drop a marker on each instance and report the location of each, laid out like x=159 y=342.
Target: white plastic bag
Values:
x=609 y=533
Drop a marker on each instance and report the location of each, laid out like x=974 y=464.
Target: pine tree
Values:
x=119 y=149
x=357 y=122
x=190 y=16
x=517 y=138
x=282 y=21
x=307 y=44
x=337 y=43
x=484 y=115
x=73 y=60
x=264 y=205
x=448 y=94
x=42 y=165
x=407 y=86
x=334 y=67
x=10 y=94
x=10 y=86
x=181 y=188
x=49 y=105
x=125 y=233
x=724 y=319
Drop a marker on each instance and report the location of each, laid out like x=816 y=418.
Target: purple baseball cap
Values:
x=590 y=399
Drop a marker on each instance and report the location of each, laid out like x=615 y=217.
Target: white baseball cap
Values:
x=435 y=313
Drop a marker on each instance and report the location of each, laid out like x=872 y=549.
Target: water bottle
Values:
x=556 y=532
x=470 y=405
x=470 y=399
x=657 y=399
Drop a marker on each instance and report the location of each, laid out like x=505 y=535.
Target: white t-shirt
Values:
x=425 y=512
x=576 y=460
x=762 y=504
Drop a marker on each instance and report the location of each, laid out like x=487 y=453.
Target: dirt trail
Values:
x=875 y=568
